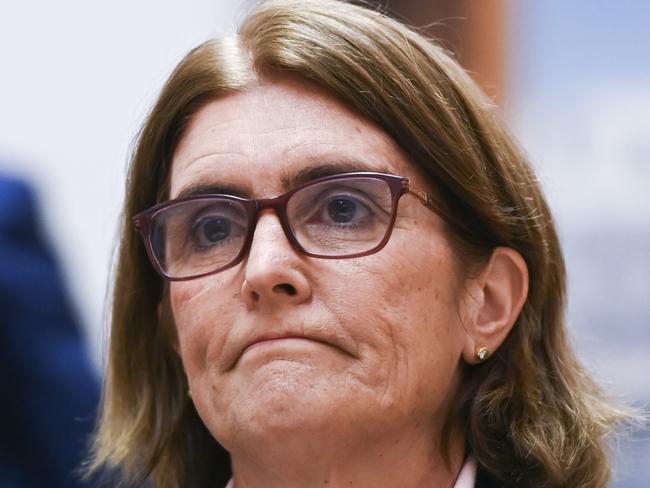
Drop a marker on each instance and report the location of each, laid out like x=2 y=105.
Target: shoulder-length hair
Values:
x=532 y=414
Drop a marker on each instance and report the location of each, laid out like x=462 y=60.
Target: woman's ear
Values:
x=497 y=297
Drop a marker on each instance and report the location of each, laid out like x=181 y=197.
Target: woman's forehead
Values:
x=263 y=140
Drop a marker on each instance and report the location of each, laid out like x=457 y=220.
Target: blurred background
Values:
x=572 y=78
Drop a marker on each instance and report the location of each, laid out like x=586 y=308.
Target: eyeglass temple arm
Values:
x=425 y=198
x=429 y=202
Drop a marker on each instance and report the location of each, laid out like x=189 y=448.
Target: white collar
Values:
x=467 y=476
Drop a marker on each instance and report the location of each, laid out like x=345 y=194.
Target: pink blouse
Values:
x=466 y=478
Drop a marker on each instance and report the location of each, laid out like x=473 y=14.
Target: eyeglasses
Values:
x=342 y=216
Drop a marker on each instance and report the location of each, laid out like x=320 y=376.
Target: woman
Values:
x=337 y=268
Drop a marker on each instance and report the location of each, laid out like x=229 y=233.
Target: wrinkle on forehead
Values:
x=272 y=131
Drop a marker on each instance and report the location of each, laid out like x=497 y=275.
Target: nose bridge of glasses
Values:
x=276 y=205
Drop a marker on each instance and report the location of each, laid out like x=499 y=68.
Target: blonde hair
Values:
x=533 y=415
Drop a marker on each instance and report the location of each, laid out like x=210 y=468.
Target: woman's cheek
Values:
x=192 y=321
x=195 y=304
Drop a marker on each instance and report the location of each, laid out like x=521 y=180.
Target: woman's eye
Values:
x=345 y=210
x=214 y=230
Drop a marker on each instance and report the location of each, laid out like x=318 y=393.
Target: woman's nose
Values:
x=274 y=271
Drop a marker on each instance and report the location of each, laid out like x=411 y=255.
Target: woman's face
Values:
x=284 y=344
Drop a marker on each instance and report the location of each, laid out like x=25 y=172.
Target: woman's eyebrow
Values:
x=305 y=175
x=214 y=189
x=324 y=169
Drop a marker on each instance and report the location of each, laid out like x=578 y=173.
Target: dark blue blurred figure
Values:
x=49 y=390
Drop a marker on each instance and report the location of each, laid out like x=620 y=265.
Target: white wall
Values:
x=76 y=80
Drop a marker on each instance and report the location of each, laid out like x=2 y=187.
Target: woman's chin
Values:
x=283 y=398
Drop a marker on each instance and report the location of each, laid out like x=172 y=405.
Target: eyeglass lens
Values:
x=330 y=218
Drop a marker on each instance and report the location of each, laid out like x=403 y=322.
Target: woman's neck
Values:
x=408 y=460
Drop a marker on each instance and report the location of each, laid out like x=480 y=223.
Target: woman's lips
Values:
x=299 y=340
x=286 y=344
x=264 y=340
